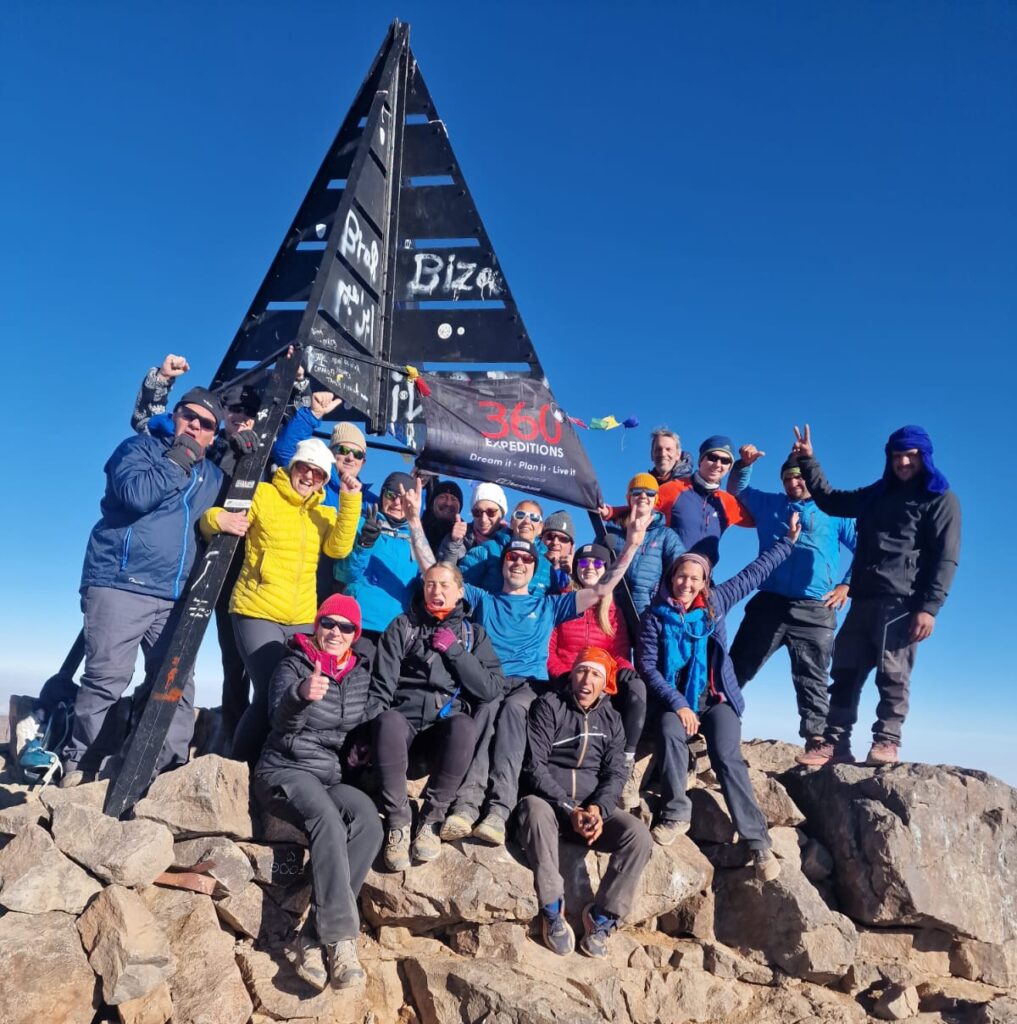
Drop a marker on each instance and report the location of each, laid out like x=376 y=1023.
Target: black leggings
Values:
x=454 y=738
x=630 y=703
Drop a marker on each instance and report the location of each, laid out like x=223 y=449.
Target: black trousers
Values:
x=722 y=730
x=509 y=748
x=235 y=681
x=806 y=629
x=344 y=836
x=875 y=635
x=542 y=827
x=630 y=703
x=454 y=739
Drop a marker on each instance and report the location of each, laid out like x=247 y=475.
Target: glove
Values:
x=185 y=452
x=625 y=677
x=371 y=530
x=244 y=442
x=442 y=639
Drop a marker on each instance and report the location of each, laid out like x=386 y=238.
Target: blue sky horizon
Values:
x=723 y=218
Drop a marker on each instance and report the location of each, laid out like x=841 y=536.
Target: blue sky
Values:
x=721 y=217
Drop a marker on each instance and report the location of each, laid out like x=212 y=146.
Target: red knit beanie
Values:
x=603 y=660
x=342 y=606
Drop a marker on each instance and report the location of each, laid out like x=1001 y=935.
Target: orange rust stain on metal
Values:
x=173 y=694
x=172 y=674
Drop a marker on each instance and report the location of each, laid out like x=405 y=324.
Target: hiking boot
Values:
x=664 y=833
x=825 y=752
x=308 y=961
x=557 y=932
x=426 y=843
x=883 y=752
x=455 y=827
x=397 y=849
x=343 y=965
x=629 y=799
x=598 y=928
x=491 y=830
x=766 y=864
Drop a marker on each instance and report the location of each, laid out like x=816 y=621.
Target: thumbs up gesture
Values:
x=458 y=531
x=315 y=685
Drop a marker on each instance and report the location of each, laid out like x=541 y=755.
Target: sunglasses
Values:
x=534 y=517
x=238 y=409
x=586 y=563
x=341 y=449
x=346 y=628
x=519 y=556
x=486 y=513
x=561 y=538
x=724 y=460
x=639 y=492
x=318 y=473
x=390 y=495
x=190 y=415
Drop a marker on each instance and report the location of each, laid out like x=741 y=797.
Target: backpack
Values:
x=39 y=761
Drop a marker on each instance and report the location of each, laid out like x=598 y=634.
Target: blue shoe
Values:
x=557 y=932
x=598 y=928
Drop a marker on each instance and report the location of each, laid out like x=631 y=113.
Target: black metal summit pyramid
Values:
x=387 y=262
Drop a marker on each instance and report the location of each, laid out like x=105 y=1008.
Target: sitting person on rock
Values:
x=519 y=624
x=482 y=566
x=604 y=626
x=319 y=693
x=576 y=772
x=682 y=655
x=433 y=667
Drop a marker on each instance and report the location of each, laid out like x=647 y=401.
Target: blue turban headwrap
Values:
x=904 y=440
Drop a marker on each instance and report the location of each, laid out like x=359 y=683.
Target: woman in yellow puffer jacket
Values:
x=275 y=596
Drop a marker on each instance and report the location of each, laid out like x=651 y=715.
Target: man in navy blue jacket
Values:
x=796 y=606
x=138 y=558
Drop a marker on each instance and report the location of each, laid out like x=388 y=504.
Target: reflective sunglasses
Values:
x=342 y=449
x=638 y=492
x=724 y=460
x=519 y=556
x=596 y=563
x=190 y=415
x=534 y=517
x=486 y=513
x=347 y=628
x=391 y=495
x=551 y=537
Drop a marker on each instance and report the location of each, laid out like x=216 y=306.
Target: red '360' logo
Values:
x=521 y=424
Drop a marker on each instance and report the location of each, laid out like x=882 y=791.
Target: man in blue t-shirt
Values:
x=519 y=625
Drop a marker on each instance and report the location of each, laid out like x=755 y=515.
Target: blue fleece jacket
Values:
x=813 y=569
x=655 y=556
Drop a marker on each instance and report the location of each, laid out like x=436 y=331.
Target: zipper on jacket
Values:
x=187 y=525
x=125 y=553
x=585 y=741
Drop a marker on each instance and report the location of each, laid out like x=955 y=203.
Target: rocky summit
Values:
x=895 y=901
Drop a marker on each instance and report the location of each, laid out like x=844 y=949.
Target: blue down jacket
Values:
x=147 y=537
x=723 y=597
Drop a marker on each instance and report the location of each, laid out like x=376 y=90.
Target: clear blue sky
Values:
x=722 y=217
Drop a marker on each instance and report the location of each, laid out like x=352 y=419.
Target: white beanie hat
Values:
x=315 y=453
x=492 y=493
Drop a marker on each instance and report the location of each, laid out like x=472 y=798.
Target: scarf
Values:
x=441 y=614
x=901 y=441
x=702 y=483
x=328 y=663
x=685 y=638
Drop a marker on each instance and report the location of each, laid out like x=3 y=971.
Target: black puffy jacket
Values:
x=908 y=538
x=309 y=734
x=577 y=757
x=418 y=681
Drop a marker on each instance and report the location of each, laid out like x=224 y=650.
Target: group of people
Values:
x=357 y=628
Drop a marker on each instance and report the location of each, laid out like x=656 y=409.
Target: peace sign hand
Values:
x=315 y=685
x=802 y=448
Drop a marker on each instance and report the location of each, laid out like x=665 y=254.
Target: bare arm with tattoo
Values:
x=411 y=509
x=634 y=537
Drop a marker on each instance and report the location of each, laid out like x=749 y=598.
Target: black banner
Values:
x=509 y=432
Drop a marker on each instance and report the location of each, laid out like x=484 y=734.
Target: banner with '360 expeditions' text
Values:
x=509 y=432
